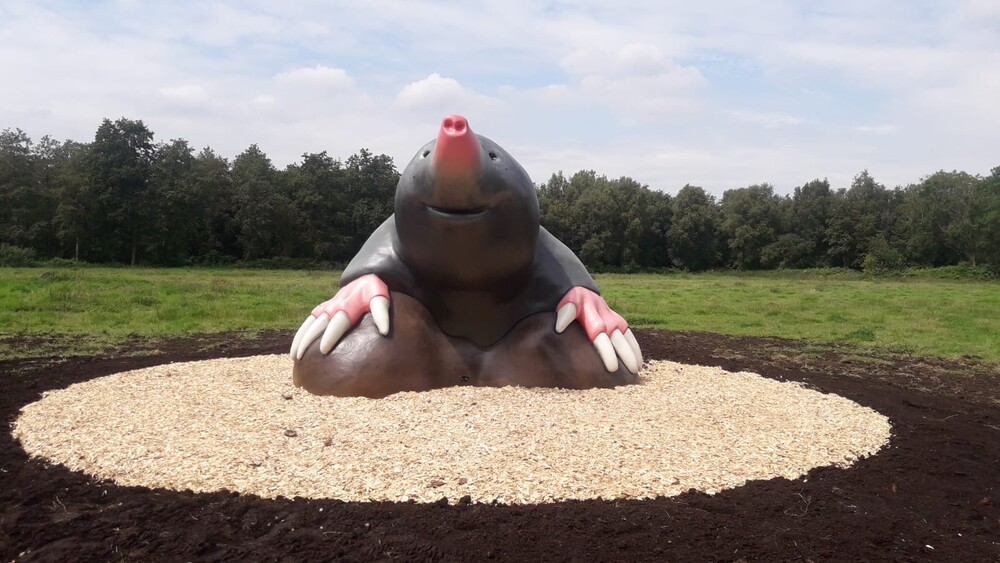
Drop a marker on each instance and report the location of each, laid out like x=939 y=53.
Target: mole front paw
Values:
x=334 y=317
x=608 y=331
x=414 y=356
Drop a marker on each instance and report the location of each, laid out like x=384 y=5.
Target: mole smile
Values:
x=449 y=213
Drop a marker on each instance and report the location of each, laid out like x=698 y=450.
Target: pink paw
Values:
x=334 y=317
x=606 y=329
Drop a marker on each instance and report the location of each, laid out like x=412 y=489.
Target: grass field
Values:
x=921 y=316
x=94 y=308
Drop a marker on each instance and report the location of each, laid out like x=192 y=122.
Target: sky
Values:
x=719 y=94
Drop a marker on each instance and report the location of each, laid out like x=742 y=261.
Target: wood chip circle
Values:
x=240 y=425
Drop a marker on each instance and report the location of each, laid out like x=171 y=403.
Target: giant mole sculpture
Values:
x=463 y=287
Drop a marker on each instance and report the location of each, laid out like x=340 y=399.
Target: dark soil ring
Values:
x=239 y=424
x=931 y=494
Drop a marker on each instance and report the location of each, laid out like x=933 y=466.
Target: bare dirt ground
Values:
x=931 y=495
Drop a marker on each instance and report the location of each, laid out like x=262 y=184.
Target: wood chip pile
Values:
x=240 y=425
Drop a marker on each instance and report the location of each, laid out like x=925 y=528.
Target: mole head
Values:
x=466 y=211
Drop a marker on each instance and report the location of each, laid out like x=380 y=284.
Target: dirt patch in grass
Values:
x=932 y=494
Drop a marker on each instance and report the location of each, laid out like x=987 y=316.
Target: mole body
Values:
x=461 y=286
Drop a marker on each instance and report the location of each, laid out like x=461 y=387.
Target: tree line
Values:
x=123 y=198
x=947 y=218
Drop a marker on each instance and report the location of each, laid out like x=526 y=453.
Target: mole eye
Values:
x=493 y=155
x=425 y=154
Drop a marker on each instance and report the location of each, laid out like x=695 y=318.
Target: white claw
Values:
x=298 y=335
x=565 y=316
x=624 y=350
x=380 y=313
x=634 y=344
x=315 y=329
x=334 y=331
x=606 y=351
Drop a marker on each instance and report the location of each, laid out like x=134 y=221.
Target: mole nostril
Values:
x=455 y=125
x=457 y=150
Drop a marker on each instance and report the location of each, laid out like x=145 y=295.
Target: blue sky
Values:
x=716 y=94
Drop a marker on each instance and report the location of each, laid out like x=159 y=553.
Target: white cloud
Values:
x=186 y=95
x=767 y=120
x=884 y=129
x=318 y=76
x=264 y=100
x=657 y=95
x=630 y=59
x=433 y=91
x=555 y=94
x=980 y=12
x=634 y=80
x=435 y=96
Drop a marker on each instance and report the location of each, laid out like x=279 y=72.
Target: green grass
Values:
x=94 y=308
x=104 y=307
x=920 y=315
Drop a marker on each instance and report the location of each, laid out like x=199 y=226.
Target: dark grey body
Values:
x=469 y=246
x=483 y=315
x=474 y=284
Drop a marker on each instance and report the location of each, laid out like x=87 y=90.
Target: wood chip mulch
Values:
x=240 y=425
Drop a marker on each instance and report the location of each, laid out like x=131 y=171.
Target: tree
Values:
x=694 y=230
x=967 y=222
x=263 y=215
x=989 y=187
x=653 y=245
x=75 y=210
x=750 y=222
x=554 y=205
x=181 y=206
x=371 y=187
x=50 y=160
x=213 y=180
x=608 y=223
x=121 y=155
x=857 y=215
x=882 y=257
x=923 y=216
x=806 y=230
x=319 y=192
x=22 y=211
x=789 y=250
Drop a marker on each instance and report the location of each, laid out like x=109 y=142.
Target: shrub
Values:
x=882 y=258
x=11 y=255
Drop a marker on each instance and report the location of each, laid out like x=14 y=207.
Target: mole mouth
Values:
x=450 y=213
